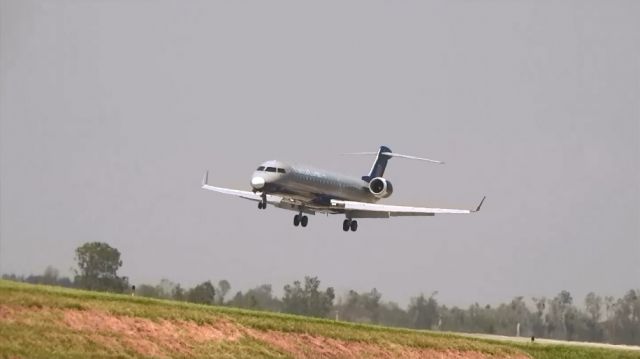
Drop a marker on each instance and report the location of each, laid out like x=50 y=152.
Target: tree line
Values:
x=596 y=319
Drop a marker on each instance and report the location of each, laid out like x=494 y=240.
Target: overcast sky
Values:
x=110 y=112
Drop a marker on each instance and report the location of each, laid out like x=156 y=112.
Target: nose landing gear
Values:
x=349 y=224
x=263 y=204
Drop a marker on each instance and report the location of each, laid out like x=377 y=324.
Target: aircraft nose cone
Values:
x=257 y=182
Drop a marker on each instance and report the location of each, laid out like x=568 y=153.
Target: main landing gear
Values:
x=300 y=220
x=349 y=224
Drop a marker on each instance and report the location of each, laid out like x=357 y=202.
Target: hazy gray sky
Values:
x=110 y=111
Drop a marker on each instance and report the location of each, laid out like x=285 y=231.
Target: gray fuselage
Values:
x=309 y=184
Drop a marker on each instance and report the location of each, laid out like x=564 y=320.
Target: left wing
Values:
x=238 y=193
x=277 y=201
x=364 y=210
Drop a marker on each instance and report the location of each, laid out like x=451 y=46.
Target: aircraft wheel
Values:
x=304 y=220
x=345 y=225
x=259 y=205
x=354 y=226
x=296 y=220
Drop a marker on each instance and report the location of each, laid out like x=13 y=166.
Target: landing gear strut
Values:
x=301 y=220
x=263 y=204
x=349 y=224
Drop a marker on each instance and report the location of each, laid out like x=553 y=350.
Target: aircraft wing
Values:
x=373 y=210
x=352 y=208
x=238 y=193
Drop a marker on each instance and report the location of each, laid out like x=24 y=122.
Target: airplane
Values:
x=308 y=191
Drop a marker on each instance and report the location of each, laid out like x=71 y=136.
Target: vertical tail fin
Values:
x=380 y=164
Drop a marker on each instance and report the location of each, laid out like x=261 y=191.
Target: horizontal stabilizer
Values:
x=393 y=154
x=412 y=157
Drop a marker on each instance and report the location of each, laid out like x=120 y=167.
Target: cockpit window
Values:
x=270 y=169
x=261 y=168
x=281 y=170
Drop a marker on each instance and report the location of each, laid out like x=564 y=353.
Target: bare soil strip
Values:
x=164 y=338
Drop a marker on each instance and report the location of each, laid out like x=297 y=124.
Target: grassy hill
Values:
x=49 y=322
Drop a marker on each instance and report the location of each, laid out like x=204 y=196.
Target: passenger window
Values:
x=261 y=168
x=281 y=170
x=270 y=169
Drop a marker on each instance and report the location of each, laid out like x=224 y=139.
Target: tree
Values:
x=146 y=290
x=593 y=305
x=50 y=276
x=626 y=321
x=166 y=288
x=223 y=289
x=260 y=297
x=561 y=318
x=424 y=311
x=488 y=320
x=98 y=264
x=177 y=293
x=507 y=318
x=539 y=327
x=456 y=319
x=372 y=304
x=203 y=293
x=570 y=322
x=362 y=308
x=308 y=300
x=392 y=315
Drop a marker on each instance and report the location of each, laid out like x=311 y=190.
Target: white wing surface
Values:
x=363 y=210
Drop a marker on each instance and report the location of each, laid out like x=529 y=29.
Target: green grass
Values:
x=35 y=323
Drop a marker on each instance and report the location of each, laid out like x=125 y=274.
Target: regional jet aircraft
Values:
x=309 y=191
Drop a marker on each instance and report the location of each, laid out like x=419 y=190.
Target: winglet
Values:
x=480 y=205
x=205 y=178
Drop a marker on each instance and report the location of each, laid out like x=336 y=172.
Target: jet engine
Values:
x=380 y=187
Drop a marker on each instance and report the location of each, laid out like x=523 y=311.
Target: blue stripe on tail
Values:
x=377 y=170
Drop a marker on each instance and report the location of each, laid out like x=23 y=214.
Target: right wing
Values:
x=373 y=210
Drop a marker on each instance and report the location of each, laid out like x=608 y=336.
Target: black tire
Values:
x=259 y=205
x=345 y=225
x=296 y=220
x=304 y=221
x=354 y=226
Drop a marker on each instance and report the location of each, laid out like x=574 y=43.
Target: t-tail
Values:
x=383 y=156
x=379 y=165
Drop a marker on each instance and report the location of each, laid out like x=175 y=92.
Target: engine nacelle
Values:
x=380 y=187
